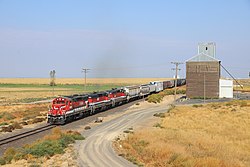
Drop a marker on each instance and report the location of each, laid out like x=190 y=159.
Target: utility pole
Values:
x=85 y=70
x=52 y=80
x=176 y=73
x=204 y=93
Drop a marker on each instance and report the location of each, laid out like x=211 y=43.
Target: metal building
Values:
x=203 y=73
x=207 y=48
x=226 y=88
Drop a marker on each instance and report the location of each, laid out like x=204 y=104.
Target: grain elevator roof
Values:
x=202 y=57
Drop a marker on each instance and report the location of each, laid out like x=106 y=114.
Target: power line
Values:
x=85 y=70
x=176 y=73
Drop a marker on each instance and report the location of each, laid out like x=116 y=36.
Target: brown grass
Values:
x=80 y=80
x=10 y=95
x=245 y=83
x=22 y=112
x=13 y=97
x=211 y=135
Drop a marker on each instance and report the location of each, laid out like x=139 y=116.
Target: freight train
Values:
x=68 y=108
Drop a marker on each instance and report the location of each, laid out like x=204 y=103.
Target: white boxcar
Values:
x=132 y=91
x=158 y=85
x=145 y=90
x=151 y=87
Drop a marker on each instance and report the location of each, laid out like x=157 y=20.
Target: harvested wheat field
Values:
x=199 y=135
x=122 y=81
x=245 y=84
x=24 y=90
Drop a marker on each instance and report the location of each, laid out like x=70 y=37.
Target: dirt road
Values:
x=97 y=149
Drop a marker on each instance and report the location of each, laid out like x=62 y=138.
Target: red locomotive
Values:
x=69 y=108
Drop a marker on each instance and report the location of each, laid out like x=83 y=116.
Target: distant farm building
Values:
x=203 y=73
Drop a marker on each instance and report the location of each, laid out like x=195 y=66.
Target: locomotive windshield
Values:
x=59 y=102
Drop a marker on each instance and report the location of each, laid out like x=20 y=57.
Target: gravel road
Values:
x=97 y=149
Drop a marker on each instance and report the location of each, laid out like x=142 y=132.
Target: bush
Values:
x=158 y=125
x=7 y=116
x=2 y=161
x=34 y=165
x=46 y=148
x=155 y=98
x=161 y=115
x=172 y=91
x=50 y=145
x=16 y=125
x=171 y=107
x=9 y=154
x=66 y=140
x=197 y=105
x=3 y=123
x=243 y=104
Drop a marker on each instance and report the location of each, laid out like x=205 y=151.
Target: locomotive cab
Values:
x=57 y=112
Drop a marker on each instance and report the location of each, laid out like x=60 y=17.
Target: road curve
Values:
x=97 y=151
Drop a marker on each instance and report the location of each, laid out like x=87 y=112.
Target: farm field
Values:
x=200 y=135
x=245 y=83
x=17 y=94
x=65 y=81
x=24 y=90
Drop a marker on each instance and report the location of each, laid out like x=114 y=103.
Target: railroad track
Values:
x=25 y=134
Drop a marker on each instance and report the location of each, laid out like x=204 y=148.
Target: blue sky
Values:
x=119 y=38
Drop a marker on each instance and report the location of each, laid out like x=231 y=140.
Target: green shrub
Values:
x=243 y=104
x=158 y=125
x=7 y=116
x=229 y=104
x=3 y=123
x=128 y=131
x=172 y=91
x=2 y=161
x=161 y=115
x=171 y=107
x=66 y=140
x=140 y=145
x=197 y=105
x=46 y=147
x=9 y=154
x=143 y=143
x=155 y=98
x=35 y=165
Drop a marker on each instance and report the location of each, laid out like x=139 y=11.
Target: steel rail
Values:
x=25 y=134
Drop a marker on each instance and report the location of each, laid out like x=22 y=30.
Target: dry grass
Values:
x=80 y=80
x=245 y=83
x=211 y=135
x=21 y=90
x=19 y=113
x=10 y=97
